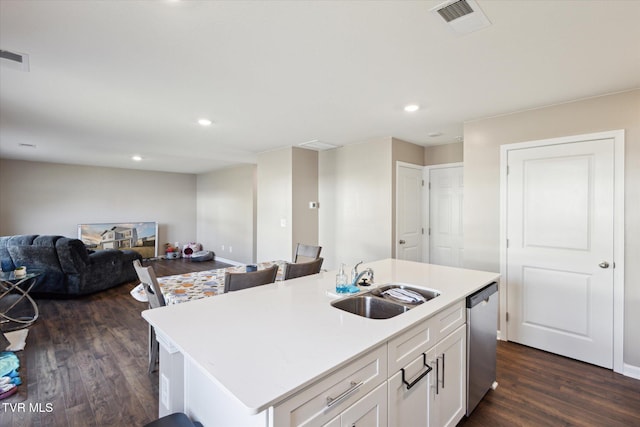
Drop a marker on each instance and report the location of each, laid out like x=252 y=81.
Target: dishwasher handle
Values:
x=482 y=295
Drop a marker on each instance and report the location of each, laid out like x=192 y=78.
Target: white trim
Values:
x=227 y=261
x=618 y=233
x=631 y=371
x=426 y=197
x=410 y=166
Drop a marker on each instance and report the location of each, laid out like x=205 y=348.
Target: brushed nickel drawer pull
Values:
x=353 y=387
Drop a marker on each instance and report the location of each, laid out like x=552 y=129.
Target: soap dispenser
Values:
x=341 y=281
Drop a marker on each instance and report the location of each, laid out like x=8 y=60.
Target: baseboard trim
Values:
x=228 y=261
x=631 y=371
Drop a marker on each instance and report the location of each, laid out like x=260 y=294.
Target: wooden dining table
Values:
x=201 y=284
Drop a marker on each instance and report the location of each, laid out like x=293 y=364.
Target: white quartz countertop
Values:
x=263 y=344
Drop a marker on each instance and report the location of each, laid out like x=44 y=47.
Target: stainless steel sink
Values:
x=374 y=304
x=427 y=294
x=372 y=307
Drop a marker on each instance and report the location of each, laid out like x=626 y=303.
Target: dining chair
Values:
x=291 y=271
x=239 y=281
x=306 y=253
x=147 y=277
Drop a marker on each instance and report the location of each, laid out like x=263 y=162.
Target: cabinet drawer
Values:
x=323 y=400
x=449 y=319
x=410 y=344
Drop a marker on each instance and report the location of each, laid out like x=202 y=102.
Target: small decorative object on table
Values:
x=20 y=272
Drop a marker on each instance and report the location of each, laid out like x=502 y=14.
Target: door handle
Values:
x=402 y=242
x=603 y=264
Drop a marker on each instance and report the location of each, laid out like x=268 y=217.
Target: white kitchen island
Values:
x=272 y=355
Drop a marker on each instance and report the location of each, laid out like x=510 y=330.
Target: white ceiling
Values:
x=110 y=79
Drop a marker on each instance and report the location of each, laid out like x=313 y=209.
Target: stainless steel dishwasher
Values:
x=482 y=329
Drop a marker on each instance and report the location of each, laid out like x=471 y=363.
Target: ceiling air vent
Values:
x=462 y=16
x=455 y=10
x=19 y=61
x=318 y=145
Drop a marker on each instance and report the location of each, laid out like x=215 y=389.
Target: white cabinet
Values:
x=448 y=386
x=429 y=390
x=404 y=348
x=410 y=406
x=370 y=411
x=352 y=392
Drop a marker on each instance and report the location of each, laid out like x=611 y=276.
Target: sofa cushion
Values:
x=35 y=257
x=5 y=258
x=73 y=255
x=49 y=241
x=43 y=259
x=22 y=240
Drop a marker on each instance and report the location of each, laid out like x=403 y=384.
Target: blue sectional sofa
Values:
x=68 y=268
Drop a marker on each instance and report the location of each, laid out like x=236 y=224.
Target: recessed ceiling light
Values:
x=435 y=134
x=204 y=122
x=411 y=108
x=136 y=158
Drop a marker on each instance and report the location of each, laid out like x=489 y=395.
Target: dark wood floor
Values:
x=537 y=388
x=85 y=364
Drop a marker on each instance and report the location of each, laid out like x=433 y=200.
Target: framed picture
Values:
x=138 y=236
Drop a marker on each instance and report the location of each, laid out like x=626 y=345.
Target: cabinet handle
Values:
x=437 y=374
x=443 y=370
x=422 y=375
x=353 y=387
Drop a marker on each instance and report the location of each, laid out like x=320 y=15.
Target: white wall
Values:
x=444 y=153
x=52 y=198
x=274 y=178
x=355 y=191
x=481 y=218
x=226 y=212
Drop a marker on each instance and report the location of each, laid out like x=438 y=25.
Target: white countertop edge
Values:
x=425 y=312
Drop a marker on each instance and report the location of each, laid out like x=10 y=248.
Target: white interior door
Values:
x=409 y=212
x=560 y=223
x=446 y=246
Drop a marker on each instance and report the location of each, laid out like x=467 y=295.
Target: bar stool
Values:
x=174 y=420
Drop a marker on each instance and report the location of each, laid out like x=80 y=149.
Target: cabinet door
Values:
x=370 y=411
x=333 y=423
x=451 y=374
x=410 y=406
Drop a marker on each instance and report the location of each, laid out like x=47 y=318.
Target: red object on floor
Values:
x=8 y=393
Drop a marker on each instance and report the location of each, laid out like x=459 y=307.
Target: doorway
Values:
x=443 y=240
x=409 y=211
x=562 y=248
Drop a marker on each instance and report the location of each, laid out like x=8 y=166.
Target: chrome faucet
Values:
x=355 y=276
